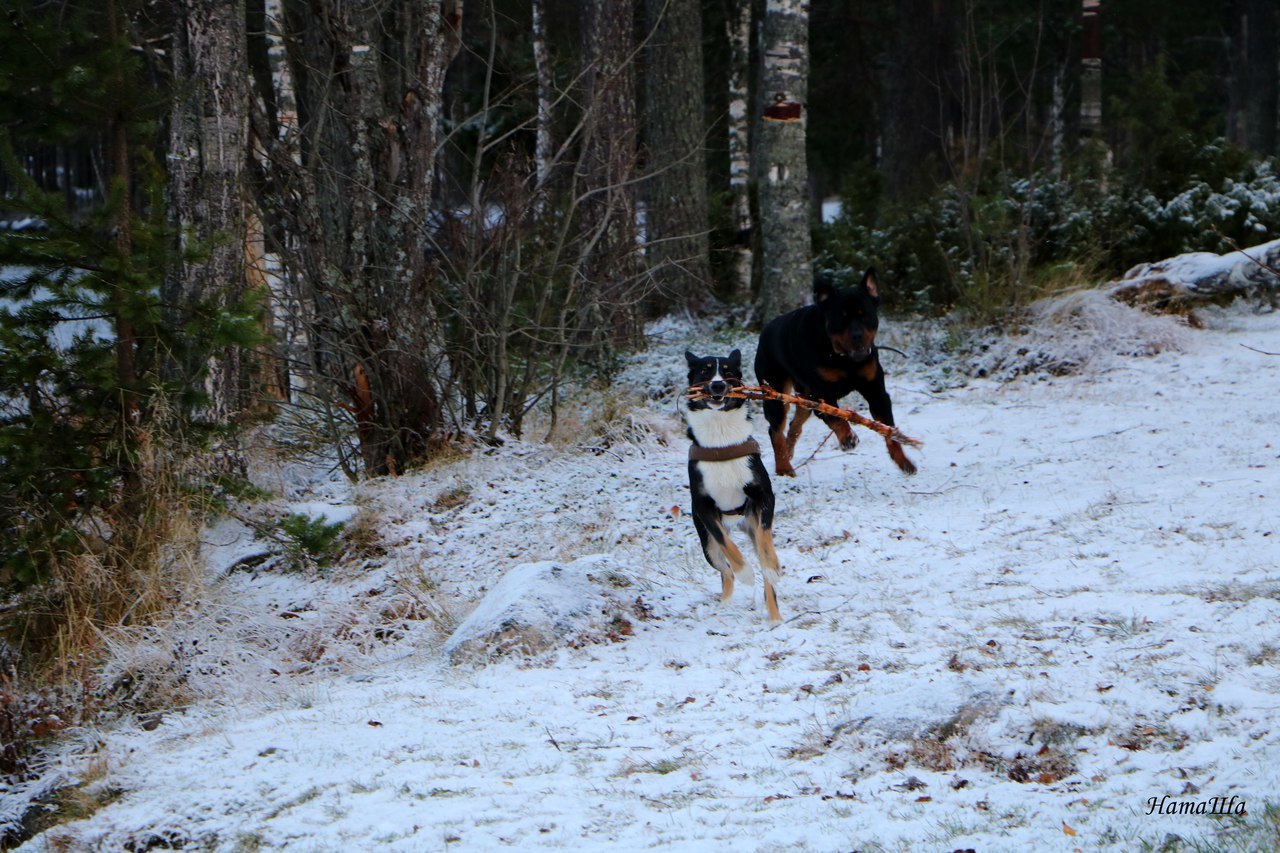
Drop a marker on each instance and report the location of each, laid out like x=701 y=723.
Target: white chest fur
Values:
x=723 y=480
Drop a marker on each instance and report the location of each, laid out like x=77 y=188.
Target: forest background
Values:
x=397 y=229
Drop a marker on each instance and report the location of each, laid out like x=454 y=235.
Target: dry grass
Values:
x=83 y=635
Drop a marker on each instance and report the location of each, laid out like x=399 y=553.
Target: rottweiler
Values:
x=824 y=351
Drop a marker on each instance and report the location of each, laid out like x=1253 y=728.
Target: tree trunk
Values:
x=919 y=101
x=1198 y=279
x=1091 y=71
x=607 y=169
x=369 y=84
x=739 y=30
x=1251 y=109
x=676 y=225
x=781 y=170
x=544 y=149
x=208 y=150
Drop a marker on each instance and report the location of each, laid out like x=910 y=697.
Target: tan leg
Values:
x=729 y=560
x=762 y=539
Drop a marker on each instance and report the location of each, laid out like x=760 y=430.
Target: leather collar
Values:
x=698 y=453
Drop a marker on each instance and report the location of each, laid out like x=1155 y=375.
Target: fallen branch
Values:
x=764 y=392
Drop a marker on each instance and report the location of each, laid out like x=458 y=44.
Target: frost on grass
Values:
x=536 y=607
x=1075 y=333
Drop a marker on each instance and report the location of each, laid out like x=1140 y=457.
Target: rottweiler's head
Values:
x=850 y=315
x=715 y=376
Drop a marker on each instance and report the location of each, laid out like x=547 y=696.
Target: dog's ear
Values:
x=870 y=285
x=691 y=358
x=823 y=289
x=735 y=359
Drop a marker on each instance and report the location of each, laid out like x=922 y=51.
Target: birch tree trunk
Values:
x=739 y=30
x=676 y=227
x=274 y=136
x=781 y=169
x=544 y=149
x=208 y=150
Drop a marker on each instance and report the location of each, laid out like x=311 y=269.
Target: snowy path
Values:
x=1073 y=608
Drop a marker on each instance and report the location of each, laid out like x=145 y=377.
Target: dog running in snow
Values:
x=825 y=351
x=727 y=478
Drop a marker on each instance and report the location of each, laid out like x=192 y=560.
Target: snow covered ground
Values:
x=1072 y=609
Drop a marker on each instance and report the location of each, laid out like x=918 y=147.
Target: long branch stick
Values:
x=764 y=392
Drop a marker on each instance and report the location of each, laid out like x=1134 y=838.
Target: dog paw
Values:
x=786 y=470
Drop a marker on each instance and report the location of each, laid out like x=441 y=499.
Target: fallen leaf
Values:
x=1068 y=830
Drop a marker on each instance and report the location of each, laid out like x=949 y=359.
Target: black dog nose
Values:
x=718 y=388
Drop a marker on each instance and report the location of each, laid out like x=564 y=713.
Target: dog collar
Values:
x=698 y=453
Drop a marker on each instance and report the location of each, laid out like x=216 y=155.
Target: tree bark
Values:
x=1252 y=104
x=919 y=100
x=208 y=151
x=607 y=169
x=781 y=168
x=676 y=225
x=544 y=150
x=1091 y=71
x=369 y=84
x=739 y=31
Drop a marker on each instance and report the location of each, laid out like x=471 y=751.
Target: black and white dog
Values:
x=726 y=477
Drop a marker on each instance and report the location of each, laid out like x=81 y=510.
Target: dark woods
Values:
x=400 y=225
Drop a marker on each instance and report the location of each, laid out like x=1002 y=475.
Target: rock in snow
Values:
x=539 y=606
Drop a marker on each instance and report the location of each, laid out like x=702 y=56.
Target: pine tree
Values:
x=81 y=320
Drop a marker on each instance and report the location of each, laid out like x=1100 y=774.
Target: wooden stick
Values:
x=764 y=392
